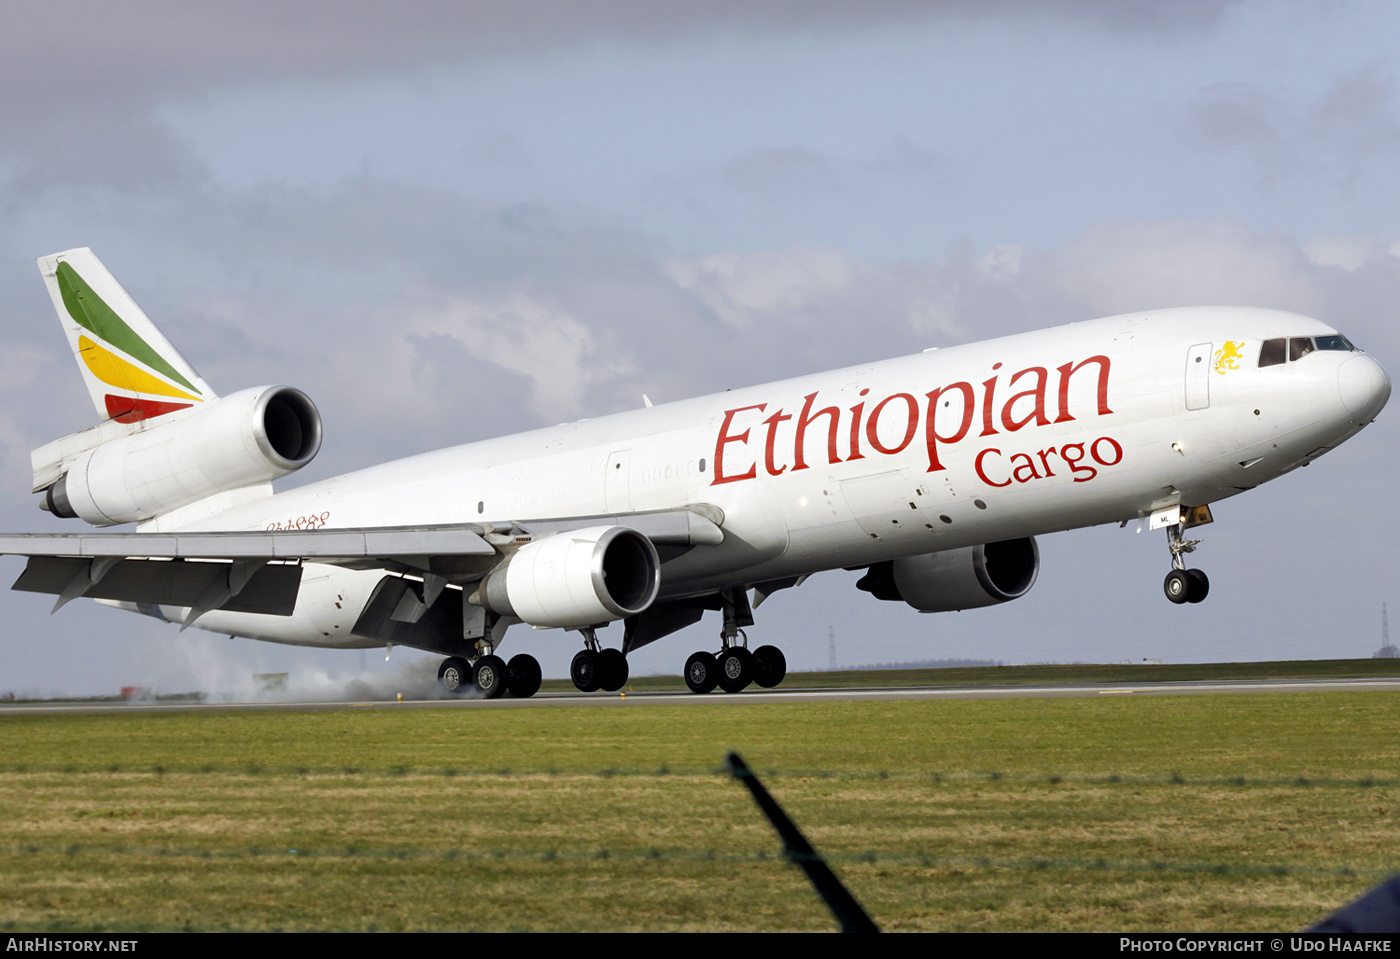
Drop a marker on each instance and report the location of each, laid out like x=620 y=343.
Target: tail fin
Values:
x=131 y=370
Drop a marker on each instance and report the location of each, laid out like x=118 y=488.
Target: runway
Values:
x=750 y=696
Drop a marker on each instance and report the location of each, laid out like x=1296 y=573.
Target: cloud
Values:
x=1113 y=268
x=545 y=345
x=76 y=83
x=148 y=39
x=1335 y=132
x=743 y=290
x=1122 y=267
x=1349 y=253
x=782 y=168
x=855 y=308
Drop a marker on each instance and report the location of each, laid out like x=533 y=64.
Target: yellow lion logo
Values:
x=1228 y=356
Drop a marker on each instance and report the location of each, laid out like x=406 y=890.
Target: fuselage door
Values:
x=1198 y=376
x=617 y=488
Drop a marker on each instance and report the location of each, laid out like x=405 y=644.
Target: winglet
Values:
x=132 y=371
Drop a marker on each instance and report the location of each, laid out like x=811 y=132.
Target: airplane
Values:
x=931 y=473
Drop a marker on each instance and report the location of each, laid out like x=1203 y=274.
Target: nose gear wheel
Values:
x=1183 y=585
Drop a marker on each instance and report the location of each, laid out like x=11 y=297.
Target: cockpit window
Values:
x=1340 y=343
x=1292 y=349
x=1272 y=353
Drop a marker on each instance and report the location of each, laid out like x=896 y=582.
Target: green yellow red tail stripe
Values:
x=133 y=373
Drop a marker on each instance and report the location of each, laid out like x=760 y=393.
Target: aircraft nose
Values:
x=1364 y=386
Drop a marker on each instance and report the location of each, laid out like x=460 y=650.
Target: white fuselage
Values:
x=1075 y=426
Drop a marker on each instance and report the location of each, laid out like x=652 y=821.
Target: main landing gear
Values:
x=491 y=676
x=1183 y=585
x=596 y=667
x=734 y=667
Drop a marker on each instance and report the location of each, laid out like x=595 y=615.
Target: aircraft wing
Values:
x=260 y=571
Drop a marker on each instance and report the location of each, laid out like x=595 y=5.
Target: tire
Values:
x=769 y=666
x=735 y=669
x=612 y=669
x=1177 y=586
x=1200 y=586
x=455 y=675
x=585 y=671
x=489 y=675
x=523 y=676
x=701 y=672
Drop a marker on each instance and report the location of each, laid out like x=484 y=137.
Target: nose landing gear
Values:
x=1186 y=586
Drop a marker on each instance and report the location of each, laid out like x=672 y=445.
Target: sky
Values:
x=447 y=221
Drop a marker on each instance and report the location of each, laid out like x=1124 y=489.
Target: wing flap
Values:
x=327 y=545
x=684 y=527
x=258 y=571
x=271 y=590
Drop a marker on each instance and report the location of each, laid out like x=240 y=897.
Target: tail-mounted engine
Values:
x=959 y=578
x=250 y=437
x=579 y=578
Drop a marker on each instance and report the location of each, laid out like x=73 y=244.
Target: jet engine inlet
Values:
x=291 y=427
x=578 y=578
x=967 y=578
x=239 y=440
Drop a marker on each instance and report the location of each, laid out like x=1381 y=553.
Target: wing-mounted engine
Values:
x=241 y=440
x=959 y=578
x=576 y=578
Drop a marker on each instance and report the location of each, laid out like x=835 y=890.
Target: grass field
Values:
x=1115 y=813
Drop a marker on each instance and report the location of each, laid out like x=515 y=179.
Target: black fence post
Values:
x=848 y=913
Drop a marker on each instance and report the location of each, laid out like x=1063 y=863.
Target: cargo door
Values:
x=617 y=489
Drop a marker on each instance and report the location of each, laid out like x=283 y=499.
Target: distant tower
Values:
x=1386 y=651
x=831 y=648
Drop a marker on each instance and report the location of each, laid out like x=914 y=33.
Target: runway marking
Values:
x=679 y=697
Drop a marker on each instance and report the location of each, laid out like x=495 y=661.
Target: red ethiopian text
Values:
x=820 y=434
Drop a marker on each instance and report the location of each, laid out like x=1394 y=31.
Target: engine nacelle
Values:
x=253 y=436
x=965 y=578
x=578 y=578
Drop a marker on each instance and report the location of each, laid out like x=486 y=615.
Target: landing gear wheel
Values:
x=735 y=669
x=585 y=671
x=523 y=676
x=769 y=666
x=701 y=672
x=612 y=669
x=455 y=675
x=1200 y=586
x=489 y=674
x=1177 y=586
